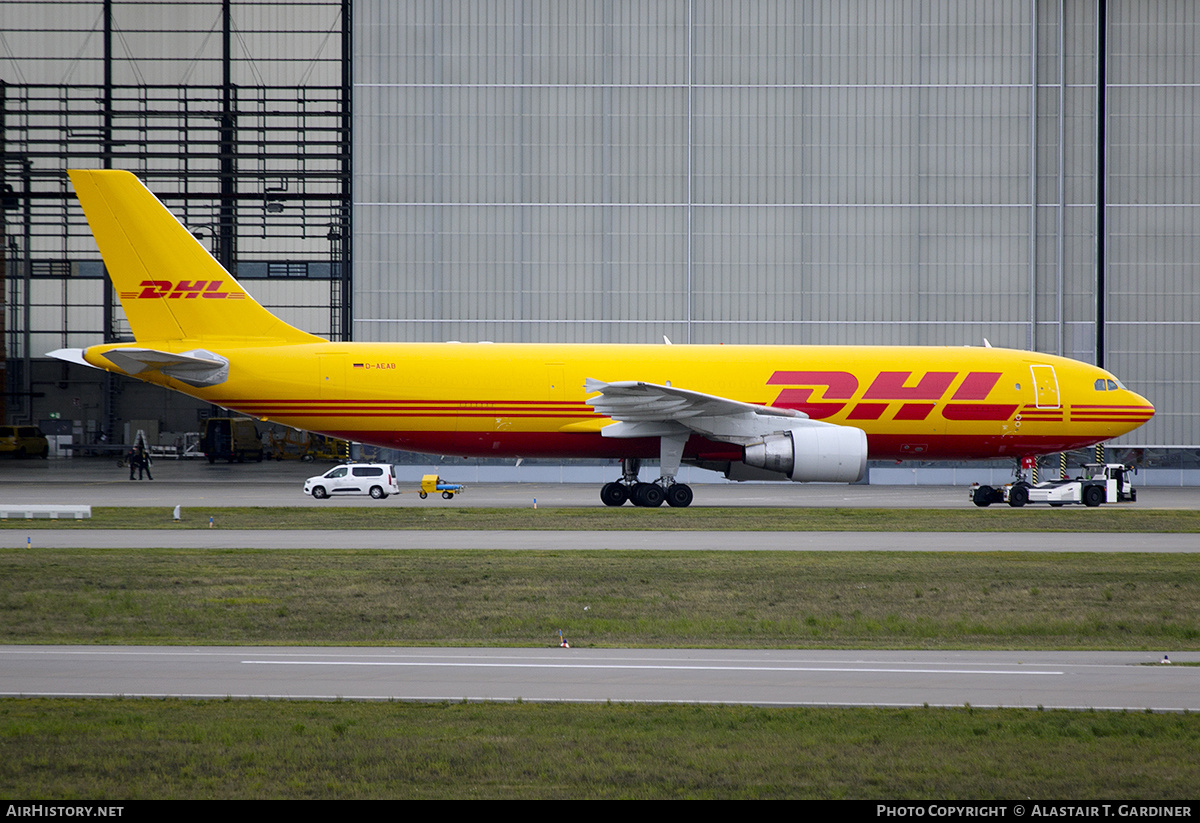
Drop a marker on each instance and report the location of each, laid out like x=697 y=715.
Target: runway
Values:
x=1068 y=680
x=99 y=482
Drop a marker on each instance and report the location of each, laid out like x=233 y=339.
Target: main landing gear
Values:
x=651 y=495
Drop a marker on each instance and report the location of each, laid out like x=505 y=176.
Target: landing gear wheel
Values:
x=1018 y=496
x=1093 y=496
x=319 y=492
x=378 y=493
x=648 y=495
x=679 y=495
x=613 y=494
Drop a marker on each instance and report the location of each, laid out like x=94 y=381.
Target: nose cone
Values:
x=1139 y=410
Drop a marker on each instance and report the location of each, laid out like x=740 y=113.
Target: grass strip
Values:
x=160 y=749
x=1005 y=600
x=700 y=518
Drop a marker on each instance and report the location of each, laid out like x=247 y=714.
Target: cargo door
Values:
x=1045 y=384
x=332 y=383
x=556 y=388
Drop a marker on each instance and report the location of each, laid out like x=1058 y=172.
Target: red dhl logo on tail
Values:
x=210 y=289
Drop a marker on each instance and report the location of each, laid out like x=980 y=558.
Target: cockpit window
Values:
x=1100 y=385
x=1112 y=385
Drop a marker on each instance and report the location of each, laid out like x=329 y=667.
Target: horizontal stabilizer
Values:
x=70 y=356
x=196 y=368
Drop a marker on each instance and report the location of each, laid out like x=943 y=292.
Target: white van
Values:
x=375 y=479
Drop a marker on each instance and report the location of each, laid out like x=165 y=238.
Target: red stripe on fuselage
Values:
x=867 y=411
x=913 y=411
x=978 y=411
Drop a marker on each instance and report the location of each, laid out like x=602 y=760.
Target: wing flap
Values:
x=653 y=410
x=634 y=401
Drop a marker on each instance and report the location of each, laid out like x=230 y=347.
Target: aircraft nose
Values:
x=1149 y=406
x=1141 y=410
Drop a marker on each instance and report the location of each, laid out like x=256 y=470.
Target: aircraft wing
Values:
x=653 y=410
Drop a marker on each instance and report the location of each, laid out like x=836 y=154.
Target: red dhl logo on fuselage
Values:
x=210 y=289
x=918 y=399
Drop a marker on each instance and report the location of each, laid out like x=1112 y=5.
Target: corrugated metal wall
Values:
x=167 y=70
x=882 y=171
x=1153 y=213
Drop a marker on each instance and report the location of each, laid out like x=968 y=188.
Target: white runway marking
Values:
x=840 y=669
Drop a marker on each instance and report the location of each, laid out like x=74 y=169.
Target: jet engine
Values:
x=829 y=454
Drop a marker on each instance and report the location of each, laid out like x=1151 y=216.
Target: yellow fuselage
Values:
x=507 y=400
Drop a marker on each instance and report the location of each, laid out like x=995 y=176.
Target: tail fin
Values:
x=170 y=287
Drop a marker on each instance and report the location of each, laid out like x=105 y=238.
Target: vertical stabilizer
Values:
x=170 y=287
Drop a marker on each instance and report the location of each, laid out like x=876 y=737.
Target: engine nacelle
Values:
x=827 y=454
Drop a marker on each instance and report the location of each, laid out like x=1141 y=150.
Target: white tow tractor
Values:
x=1099 y=483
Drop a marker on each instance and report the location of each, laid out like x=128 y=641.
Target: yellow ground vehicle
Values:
x=431 y=484
x=23 y=441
